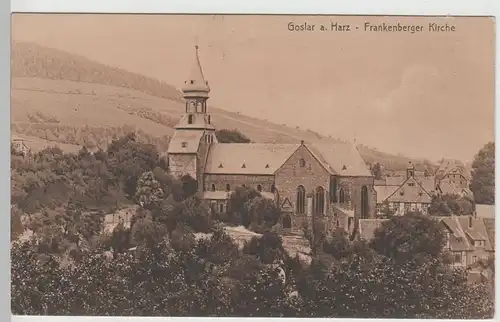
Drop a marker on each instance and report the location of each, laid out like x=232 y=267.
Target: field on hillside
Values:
x=62 y=97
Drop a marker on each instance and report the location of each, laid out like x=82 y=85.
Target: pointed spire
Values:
x=196 y=81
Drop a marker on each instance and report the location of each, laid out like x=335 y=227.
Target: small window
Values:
x=267 y=166
x=213 y=187
x=259 y=188
x=184 y=144
x=474 y=259
x=344 y=168
x=243 y=166
x=411 y=184
x=220 y=166
x=302 y=163
x=221 y=207
x=401 y=193
x=190 y=119
x=192 y=82
x=228 y=187
x=458 y=257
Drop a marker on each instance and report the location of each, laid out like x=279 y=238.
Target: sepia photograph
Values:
x=322 y=166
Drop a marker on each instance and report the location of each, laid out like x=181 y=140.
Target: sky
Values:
x=426 y=94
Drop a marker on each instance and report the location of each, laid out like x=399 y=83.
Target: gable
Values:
x=311 y=165
x=410 y=191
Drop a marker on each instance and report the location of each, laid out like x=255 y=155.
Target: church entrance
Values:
x=287 y=222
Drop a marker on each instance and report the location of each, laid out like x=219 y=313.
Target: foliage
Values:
x=483 y=175
x=410 y=237
x=261 y=212
x=149 y=193
x=231 y=136
x=236 y=204
x=451 y=204
x=377 y=171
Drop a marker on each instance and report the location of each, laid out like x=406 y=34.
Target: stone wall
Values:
x=181 y=164
x=352 y=188
x=237 y=180
x=291 y=175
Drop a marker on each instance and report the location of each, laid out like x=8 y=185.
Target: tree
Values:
x=16 y=226
x=261 y=212
x=377 y=171
x=483 y=175
x=448 y=204
x=409 y=237
x=236 y=204
x=149 y=193
x=231 y=136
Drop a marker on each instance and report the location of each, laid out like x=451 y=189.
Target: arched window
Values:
x=302 y=163
x=364 y=202
x=259 y=188
x=228 y=187
x=341 y=195
x=190 y=119
x=301 y=200
x=319 y=198
x=287 y=222
x=213 y=187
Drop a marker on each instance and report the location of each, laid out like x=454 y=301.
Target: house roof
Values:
x=489 y=224
x=458 y=240
x=185 y=141
x=247 y=158
x=476 y=231
x=340 y=158
x=216 y=195
x=452 y=167
x=367 y=227
x=415 y=193
x=384 y=192
x=346 y=212
x=485 y=211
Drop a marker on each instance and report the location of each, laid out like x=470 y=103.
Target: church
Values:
x=326 y=180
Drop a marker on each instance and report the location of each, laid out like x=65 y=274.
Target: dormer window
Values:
x=243 y=166
x=220 y=166
x=302 y=163
x=267 y=166
x=344 y=168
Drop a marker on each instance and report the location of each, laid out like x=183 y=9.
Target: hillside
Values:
x=65 y=98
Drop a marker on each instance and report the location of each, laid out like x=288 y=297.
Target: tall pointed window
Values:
x=190 y=119
x=333 y=190
x=213 y=187
x=301 y=200
x=319 y=200
x=364 y=202
x=341 y=195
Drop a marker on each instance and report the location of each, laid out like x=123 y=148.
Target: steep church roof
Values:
x=248 y=158
x=196 y=81
x=185 y=141
x=340 y=158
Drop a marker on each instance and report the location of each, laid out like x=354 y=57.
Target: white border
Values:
x=387 y=7
x=325 y=7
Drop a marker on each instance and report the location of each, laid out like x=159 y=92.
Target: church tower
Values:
x=194 y=132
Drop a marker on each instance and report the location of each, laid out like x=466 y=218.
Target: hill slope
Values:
x=62 y=97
